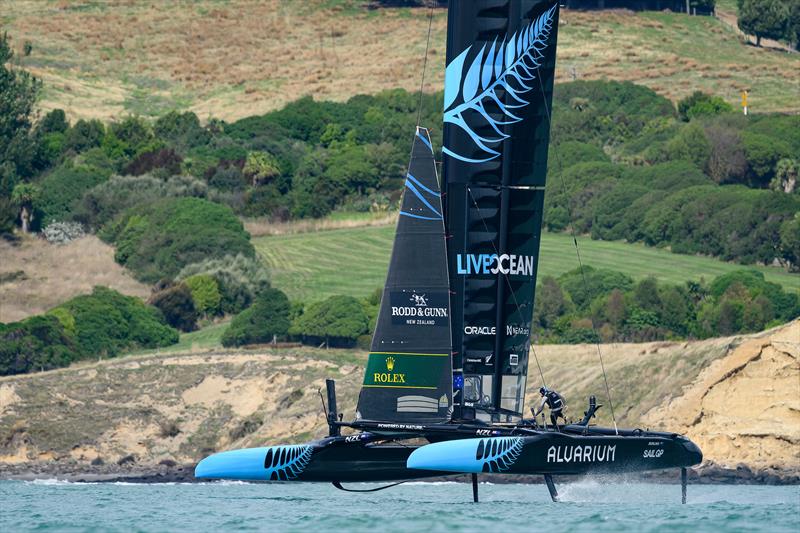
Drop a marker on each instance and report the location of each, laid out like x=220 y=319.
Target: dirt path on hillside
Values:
x=733 y=21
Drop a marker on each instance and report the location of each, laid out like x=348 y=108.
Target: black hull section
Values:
x=559 y=453
x=366 y=457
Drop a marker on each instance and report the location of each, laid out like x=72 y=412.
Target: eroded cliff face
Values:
x=737 y=397
x=744 y=408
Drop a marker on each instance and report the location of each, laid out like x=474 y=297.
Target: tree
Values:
x=764 y=18
x=727 y=162
x=25 y=196
x=177 y=305
x=265 y=320
x=786 y=173
x=702 y=104
x=205 y=293
x=550 y=302
x=690 y=144
x=260 y=168
x=793 y=31
x=763 y=153
x=790 y=242
x=18 y=93
x=84 y=134
x=53 y=122
x=339 y=319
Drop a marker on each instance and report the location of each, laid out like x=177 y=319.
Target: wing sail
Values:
x=409 y=372
x=498 y=88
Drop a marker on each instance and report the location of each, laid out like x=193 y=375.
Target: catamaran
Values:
x=444 y=384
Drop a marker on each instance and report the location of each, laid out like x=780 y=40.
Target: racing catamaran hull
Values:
x=366 y=457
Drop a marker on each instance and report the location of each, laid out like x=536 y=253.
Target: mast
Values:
x=409 y=372
x=498 y=89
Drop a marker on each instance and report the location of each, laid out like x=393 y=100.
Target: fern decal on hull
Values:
x=498 y=454
x=506 y=68
x=284 y=463
x=269 y=463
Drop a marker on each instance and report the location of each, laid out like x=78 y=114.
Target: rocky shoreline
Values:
x=170 y=472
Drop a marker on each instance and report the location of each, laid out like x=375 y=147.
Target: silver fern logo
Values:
x=284 y=463
x=499 y=453
x=509 y=65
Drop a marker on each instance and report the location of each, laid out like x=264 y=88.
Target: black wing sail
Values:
x=498 y=87
x=409 y=371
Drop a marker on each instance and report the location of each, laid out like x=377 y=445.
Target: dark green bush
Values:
x=339 y=320
x=700 y=104
x=763 y=153
x=63 y=188
x=177 y=306
x=85 y=134
x=104 y=202
x=266 y=319
x=107 y=322
x=36 y=343
x=157 y=240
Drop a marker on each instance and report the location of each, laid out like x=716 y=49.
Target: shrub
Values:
x=763 y=153
x=85 y=134
x=157 y=240
x=63 y=188
x=240 y=279
x=182 y=129
x=107 y=322
x=54 y=121
x=177 y=306
x=205 y=293
x=163 y=162
x=598 y=281
x=572 y=152
x=690 y=144
x=125 y=139
x=700 y=104
x=36 y=343
x=266 y=319
x=337 y=320
x=63 y=232
x=103 y=202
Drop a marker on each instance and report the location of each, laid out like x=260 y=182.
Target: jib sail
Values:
x=498 y=88
x=409 y=371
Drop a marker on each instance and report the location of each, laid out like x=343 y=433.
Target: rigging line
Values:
x=424 y=65
x=578 y=254
x=510 y=288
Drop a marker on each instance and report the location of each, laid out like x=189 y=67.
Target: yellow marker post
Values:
x=744 y=102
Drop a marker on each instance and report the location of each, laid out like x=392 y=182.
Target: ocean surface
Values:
x=590 y=505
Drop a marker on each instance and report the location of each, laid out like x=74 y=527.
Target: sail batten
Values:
x=496 y=135
x=409 y=371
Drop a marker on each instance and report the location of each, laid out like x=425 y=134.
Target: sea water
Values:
x=589 y=505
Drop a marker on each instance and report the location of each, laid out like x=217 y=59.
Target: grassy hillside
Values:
x=235 y=58
x=311 y=266
x=36 y=276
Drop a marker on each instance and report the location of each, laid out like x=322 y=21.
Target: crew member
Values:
x=555 y=402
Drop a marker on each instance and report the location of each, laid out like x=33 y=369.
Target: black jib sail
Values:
x=498 y=88
x=409 y=372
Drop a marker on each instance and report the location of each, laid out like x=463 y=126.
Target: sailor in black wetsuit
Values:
x=555 y=402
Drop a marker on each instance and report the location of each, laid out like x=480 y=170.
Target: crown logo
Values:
x=390 y=363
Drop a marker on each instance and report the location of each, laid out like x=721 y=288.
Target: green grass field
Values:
x=312 y=266
x=203 y=339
